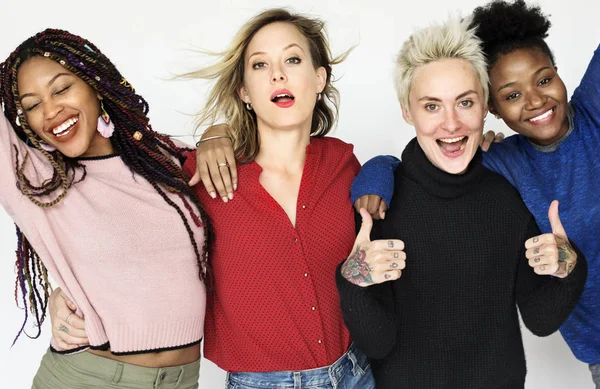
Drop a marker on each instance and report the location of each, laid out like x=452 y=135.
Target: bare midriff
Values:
x=156 y=359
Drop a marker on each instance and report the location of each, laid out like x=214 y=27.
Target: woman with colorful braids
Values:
x=102 y=205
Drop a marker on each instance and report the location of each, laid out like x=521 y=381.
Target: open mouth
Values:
x=65 y=128
x=541 y=118
x=283 y=98
x=452 y=146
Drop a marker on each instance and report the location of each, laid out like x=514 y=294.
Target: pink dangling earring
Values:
x=49 y=148
x=105 y=125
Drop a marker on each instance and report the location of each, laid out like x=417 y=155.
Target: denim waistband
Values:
x=352 y=362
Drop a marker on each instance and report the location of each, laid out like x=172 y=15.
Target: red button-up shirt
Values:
x=275 y=305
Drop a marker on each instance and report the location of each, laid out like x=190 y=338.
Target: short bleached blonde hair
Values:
x=450 y=40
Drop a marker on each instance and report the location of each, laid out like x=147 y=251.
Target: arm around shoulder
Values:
x=376 y=177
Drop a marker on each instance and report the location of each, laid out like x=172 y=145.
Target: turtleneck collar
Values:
x=438 y=182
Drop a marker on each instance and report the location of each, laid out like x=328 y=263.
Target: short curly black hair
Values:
x=505 y=27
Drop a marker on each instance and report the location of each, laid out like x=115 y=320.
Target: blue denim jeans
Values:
x=351 y=371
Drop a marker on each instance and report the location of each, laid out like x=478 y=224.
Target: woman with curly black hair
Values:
x=553 y=156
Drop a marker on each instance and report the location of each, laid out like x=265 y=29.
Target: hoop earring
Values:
x=249 y=106
x=319 y=96
x=105 y=126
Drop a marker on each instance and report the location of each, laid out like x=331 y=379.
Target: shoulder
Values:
x=508 y=158
x=508 y=148
x=500 y=190
x=335 y=152
x=328 y=143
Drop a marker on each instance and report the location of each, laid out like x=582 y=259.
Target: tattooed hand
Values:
x=551 y=253
x=373 y=262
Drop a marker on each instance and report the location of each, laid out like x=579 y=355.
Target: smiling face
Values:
x=528 y=94
x=61 y=108
x=280 y=80
x=447 y=109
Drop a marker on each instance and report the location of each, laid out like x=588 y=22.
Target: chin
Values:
x=72 y=152
x=455 y=168
x=456 y=165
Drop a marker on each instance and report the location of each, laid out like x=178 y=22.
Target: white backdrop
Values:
x=149 y=42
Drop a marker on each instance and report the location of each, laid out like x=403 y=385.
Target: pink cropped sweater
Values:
x=115 y=247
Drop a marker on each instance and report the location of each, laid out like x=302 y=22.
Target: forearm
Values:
x=216 y=130
x=546 y=302
x=376 y=177
x=369 y=315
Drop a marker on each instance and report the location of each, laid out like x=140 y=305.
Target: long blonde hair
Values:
x=224 y=102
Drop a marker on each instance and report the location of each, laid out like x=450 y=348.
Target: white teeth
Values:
x=63 y=127
x=283 y=95
x=542 y=116
x=452 y=140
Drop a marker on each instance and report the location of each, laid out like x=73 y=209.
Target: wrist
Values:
x=216 y=130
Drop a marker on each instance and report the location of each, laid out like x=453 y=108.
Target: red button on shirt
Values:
x=262 y=316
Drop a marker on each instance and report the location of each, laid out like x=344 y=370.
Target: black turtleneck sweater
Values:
x=450 y=321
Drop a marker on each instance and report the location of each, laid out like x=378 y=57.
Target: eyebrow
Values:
x=284 y=49
x=430 y=98
x=513 y=82
x=48 y=84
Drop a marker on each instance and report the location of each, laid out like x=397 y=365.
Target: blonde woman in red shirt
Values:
x=274 y=316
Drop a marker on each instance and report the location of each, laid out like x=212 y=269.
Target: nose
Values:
x=51 y=109
x=534 y=101
x=451 y=121
x=278 y=74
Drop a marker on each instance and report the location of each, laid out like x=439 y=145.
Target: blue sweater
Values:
x=570 y=174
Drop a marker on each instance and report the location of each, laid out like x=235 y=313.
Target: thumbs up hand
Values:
x=373 y=262
x=551 y=254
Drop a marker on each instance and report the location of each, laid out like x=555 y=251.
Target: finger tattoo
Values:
x=536 y=239
x=396 y=255
x=387 y=276
x=390 y=244
x=536 y=260
x=543 y=267
x=536 y=250
x=563 y=253
x=63 y=328
x=394 y=265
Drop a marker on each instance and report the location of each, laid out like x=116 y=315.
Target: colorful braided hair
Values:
x=144 y=151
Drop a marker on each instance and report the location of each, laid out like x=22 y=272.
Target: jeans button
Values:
x=163 y=375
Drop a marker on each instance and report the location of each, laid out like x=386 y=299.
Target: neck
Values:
x=283 y=149
x=99 y=147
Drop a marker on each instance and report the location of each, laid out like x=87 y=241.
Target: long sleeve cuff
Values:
x=376 y=177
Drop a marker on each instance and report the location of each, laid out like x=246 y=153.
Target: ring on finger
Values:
x=222 y=164
x=68 y=317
